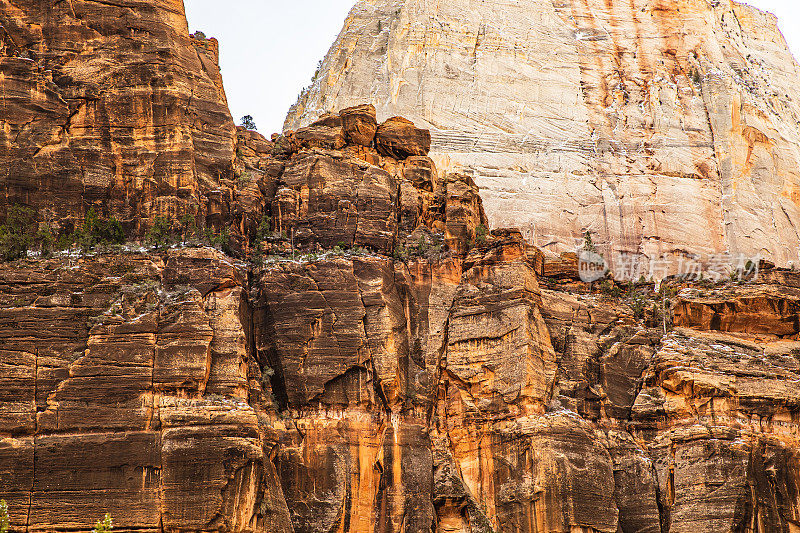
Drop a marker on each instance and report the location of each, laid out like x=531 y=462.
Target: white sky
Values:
x=270 y=48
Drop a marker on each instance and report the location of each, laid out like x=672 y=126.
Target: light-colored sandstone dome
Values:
x=663 y=127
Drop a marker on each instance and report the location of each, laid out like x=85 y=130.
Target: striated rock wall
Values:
x=372 y=359
x=125 y=389
x=417 y=376
x=113 y=106
x=662 y=127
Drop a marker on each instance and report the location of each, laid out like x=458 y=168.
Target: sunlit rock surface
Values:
x=662 y=127
x=111 y=105
x=365 y=356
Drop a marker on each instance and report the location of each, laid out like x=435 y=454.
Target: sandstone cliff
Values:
x=111 y=105
x=386 y=366
x=662 y=127
x=364 y=356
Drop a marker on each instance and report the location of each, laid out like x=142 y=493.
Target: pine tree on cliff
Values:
x=248 y=122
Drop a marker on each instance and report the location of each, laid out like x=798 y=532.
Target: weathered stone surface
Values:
x=321 y=137
x=736 y=401
x=113 y=106
x=662 y=127
x=766 y=310
x=328 y=199
x=131 y=389
x=399 y=138
x=463 y=212
x=354 y=197
x=356 y=389
x=329 y=120
x=428 y=375
x=359 y=124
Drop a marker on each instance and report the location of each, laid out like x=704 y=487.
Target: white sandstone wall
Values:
x=664 y=127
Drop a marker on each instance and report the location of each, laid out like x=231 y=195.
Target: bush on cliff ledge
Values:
x=248 y=123
x=17 y=234
x=4 y=520
x=98 y=230
x=104 y=526
x=94 y=232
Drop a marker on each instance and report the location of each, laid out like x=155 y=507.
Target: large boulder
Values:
x=399 y=138
x=320 y=136
x=359 y=124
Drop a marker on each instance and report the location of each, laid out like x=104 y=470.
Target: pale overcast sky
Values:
x=270 y=48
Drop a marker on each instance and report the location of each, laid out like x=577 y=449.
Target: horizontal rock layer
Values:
x=416 y=375
x=184 y=391
x=113 y=106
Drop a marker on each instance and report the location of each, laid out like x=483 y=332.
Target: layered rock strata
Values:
x=663 y=128
x=385 y=365
x=365 y=356
x=113 y=106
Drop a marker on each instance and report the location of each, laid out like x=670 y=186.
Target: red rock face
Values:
x=114 y=106
x=365 y=356
x=133 y=398
x=393 y=136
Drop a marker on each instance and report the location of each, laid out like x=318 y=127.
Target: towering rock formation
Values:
x=112 y=106
x=364 y=356
x=662 y=127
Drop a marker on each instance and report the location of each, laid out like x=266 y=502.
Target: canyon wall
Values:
x=112 y=106
x=364 y=356
x=388 y=366
x=664 y=128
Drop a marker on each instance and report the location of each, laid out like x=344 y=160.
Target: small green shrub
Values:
x=220 y=241
x=422 y=246
x=263 y=233
x=264 y=228
x=266 y=378
x=248 y=123
x=400 y=253
x=481 y=232
x=65 y=241
x=188 y=227
x=95 y=231
x=317 y=72
x=17 y=234
x=609 y=288
x=244 y=178
x=638 y=305
x=5 y=521
x=47 y=241
x=160 y=233
x=104 y=231
x=105 y=525
x=588 y=243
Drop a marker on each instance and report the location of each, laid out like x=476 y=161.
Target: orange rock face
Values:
x=364 y=356
x=110 y=105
